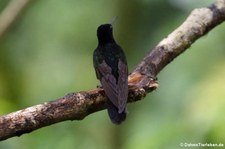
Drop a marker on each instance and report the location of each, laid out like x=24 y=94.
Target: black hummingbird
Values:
x=111 y=69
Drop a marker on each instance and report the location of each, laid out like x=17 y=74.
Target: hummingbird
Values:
x=111 y=69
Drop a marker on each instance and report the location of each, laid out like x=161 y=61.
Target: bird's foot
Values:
x=99 y=86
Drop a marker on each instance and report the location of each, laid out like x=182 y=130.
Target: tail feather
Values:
x=115 y=116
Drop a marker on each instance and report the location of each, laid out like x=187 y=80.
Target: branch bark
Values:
x=76 y=106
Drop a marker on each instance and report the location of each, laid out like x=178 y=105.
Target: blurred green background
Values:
x=47 y=53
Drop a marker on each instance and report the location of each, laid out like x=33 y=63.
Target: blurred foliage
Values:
x=47 y=53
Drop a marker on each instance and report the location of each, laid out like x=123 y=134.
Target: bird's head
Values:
x=105 y=33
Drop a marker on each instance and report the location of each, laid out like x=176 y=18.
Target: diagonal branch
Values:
x=10 y=13
x=76 y=106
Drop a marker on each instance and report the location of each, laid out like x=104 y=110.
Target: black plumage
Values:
x=111 y=69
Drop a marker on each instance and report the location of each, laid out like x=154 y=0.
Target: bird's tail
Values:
x=115 y=116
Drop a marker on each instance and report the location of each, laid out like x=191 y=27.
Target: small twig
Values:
x=76 y=106
x=10 y=13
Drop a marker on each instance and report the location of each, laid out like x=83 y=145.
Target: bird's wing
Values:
x=117 y=91
x=108 y=82
x=122 y=86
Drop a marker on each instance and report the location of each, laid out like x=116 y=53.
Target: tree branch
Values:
x=76 y=106
x=10 y=13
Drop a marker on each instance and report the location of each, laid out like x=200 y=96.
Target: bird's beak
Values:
x=113 y=20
